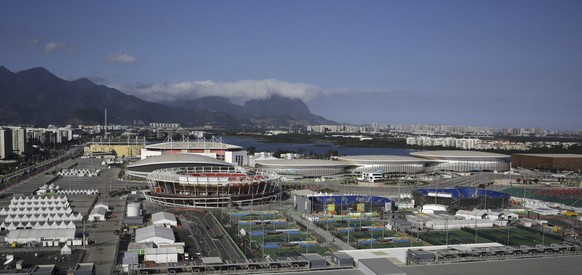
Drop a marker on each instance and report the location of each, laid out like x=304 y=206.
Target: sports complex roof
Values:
x=458 y=154
x=295 y=163
x=193 y=145
x=378 y=159
x=179 y=159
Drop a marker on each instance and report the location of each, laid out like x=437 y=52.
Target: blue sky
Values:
x=482 y=63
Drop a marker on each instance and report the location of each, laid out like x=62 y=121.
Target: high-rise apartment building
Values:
x=18 y=140
x=5 y=143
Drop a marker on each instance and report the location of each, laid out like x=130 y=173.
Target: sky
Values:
x=482 y=63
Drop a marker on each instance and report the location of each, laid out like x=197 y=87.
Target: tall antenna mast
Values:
x=105 y=121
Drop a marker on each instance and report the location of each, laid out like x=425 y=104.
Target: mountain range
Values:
x=36 y=96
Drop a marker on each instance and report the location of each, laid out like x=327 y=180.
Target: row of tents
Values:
x=78 y=192
x=39 y=199
x=44 y=217
x=36 y=210
x=42 y=204
x=37 y=225
x=78 y=173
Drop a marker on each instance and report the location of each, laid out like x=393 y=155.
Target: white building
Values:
x=98 y=213
x=161 y=255
x=164 y=219
x=155 y=234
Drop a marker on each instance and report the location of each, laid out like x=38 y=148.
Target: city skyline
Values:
x=484 y=63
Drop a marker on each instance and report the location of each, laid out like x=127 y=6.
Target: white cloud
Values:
x=122 y=58
x=52 y=46
x=244 y=89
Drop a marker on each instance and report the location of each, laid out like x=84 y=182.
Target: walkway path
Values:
x=323 y=235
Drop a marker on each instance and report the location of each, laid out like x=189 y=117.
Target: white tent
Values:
x=28 y=225
x=46 y=225
x=63 y=225
x=66 y=250
x=97 y=214
x=11 y=226
x=101 y=205
x=71 y=225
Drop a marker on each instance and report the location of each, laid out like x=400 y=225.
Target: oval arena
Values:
x=208 y=186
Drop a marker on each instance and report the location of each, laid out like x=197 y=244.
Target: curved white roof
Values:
x=179 y=159
x=193 y=145
x=458 y=154
x=295 y=163
x=378 y=159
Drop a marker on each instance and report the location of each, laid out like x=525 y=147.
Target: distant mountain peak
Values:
x=36 y=96
x=38 y=71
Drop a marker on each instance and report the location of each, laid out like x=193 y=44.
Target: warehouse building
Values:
x=164 y=219
x=155 y=234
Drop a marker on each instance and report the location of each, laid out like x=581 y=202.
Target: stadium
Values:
x=462 y=198
x=303 y=168
x=212 y=186
x=386 y=165
x=463 y=161
x=383 y=164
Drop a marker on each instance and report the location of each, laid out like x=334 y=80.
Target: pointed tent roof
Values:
x=71 y=225
x=66 y=250
x=46 y=225
x=11 y=226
